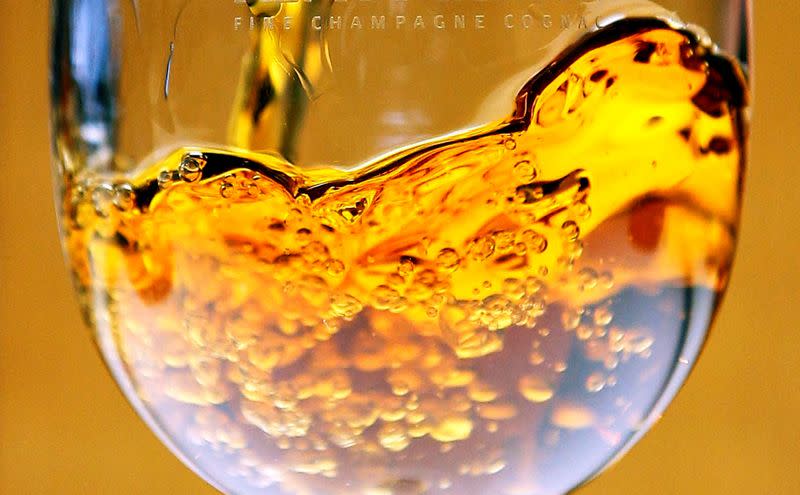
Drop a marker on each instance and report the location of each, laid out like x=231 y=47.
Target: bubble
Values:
x=393 y=437
x=535 y=389
x=571 y=318
x=603 y=315
x=250 y=188
x=303 y=236
x=499 y=312
x=572 y=417
x=535 y=241
x=165 y=178
x=226 y=190
x=496 y=466
x=533 y=286
x=385 y=297
x=345 y=305
x=606 y=280
x=103 y=199
x=587 y=279
x=406 y=266
x=335 y=267
x=525 y=171
x=124 y=197
x=316 y=252
x=504 y=241
x=448 y=260
x=581 y=210
x=570 y=230
x=481 y=248
x=510 y=144
x=595 y=382
x=536 y=358
x=481 y=392
x=584 y=332
x=191 y=167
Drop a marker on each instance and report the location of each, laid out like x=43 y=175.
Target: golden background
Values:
x=65 y=429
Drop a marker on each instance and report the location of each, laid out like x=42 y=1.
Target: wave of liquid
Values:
x=497 y=312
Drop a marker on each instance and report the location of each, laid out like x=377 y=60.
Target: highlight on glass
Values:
x=399 y=247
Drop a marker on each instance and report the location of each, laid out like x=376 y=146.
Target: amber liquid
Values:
x=497 y=312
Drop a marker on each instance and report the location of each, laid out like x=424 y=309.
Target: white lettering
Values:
x=378 y=22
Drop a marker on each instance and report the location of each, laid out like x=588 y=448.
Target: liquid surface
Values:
x=498 y=311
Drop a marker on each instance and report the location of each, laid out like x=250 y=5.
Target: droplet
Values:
x=535 y=389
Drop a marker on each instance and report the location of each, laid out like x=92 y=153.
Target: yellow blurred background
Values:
x=65 y=429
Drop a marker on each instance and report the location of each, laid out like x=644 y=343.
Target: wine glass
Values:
x=392 y=247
